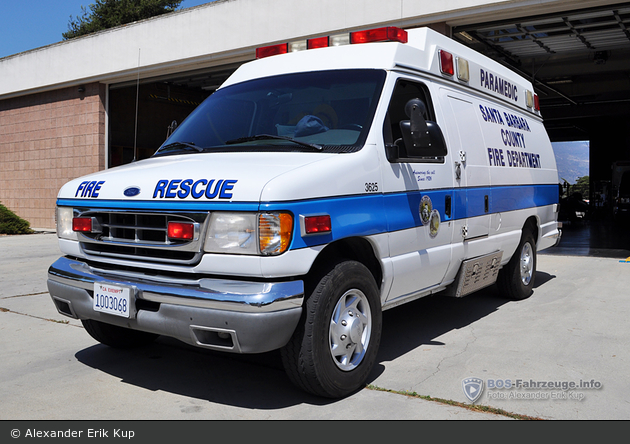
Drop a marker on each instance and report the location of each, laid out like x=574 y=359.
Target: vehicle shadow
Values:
x=259 y=381
x=420 y=322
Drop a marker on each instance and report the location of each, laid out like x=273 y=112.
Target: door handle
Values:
x=447 y=206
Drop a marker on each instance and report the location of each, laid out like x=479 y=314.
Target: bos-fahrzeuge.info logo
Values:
x=473 y=388
x=528 y=389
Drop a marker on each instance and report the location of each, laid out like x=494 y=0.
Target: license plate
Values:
x=112 y=299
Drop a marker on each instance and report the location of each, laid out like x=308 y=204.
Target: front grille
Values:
x=141 y=236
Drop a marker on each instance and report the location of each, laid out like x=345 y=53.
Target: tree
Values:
x=105 y=14
x=11 y=223
x=582 y=186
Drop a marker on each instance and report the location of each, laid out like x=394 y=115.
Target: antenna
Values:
x=135 y=136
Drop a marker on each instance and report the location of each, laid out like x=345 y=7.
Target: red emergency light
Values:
x=267 y=51
x=387 y=34
x=181 y=230
x=82 y=224
x=318 y=42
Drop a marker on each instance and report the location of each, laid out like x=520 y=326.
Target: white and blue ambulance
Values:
x=326 y=181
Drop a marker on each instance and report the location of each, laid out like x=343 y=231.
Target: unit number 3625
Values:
x=371 y=187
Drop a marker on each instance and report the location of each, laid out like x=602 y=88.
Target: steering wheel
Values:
x=352 y=126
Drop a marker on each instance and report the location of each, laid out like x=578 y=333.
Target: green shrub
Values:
x=11 y=223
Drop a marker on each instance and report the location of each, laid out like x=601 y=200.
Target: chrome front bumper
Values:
x=221 y=314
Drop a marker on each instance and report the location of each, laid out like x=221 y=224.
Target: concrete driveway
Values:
x=573 y=330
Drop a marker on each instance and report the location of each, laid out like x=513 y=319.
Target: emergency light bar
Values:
x=386 y=34
x=451 y=66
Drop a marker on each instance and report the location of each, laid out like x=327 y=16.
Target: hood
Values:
x=206 y=177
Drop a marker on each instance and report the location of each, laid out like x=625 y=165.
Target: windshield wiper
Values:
x=272 y=137
x=172 y=147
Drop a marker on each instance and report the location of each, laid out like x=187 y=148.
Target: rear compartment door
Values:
x=472 y=194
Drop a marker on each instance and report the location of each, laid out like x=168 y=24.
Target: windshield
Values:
x=328 y=111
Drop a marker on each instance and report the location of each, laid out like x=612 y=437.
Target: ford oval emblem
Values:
x=131 y=191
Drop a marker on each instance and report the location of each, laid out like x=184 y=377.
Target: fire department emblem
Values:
x=426 y=207
x=434 y=223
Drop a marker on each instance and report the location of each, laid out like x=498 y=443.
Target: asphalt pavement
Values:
x=561 y=354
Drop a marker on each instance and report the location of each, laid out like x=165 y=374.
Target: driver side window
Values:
x=404 y=91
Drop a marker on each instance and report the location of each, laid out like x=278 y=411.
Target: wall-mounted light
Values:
x=81 y=89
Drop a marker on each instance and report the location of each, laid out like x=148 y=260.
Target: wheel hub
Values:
x=527 y=264
x=350 y=328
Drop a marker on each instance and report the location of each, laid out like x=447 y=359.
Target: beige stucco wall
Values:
x=47 y=139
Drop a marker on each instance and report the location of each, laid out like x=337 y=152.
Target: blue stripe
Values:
x=362 y=215
x=519 y=197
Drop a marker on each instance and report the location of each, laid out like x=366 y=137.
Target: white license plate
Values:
x=112 y=299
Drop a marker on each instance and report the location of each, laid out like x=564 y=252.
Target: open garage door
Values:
x=160 y=102
x=579 y=63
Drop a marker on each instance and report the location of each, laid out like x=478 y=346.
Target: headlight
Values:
x=64 y=223
x=249 y=233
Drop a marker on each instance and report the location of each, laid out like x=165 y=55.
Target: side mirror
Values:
x=422 y=138
x=172 y=127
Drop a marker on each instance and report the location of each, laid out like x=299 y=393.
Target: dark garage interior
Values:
x=579 y=63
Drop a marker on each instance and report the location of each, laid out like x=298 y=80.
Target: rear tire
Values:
x=516 y=279
x=117 y=337
x=334 y=347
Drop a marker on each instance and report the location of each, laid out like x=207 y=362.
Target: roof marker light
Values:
x=317 y=42
x=387 y=34
x=446 y=63
x=463 y=73
x=530 y=99
x=536 y=102
x=267 y=51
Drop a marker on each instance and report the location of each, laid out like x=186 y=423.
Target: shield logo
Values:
x=473 y=388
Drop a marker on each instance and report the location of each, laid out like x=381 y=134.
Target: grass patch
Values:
x=11 y=223
x=473 y=407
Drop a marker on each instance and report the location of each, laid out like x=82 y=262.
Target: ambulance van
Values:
x=326 y=181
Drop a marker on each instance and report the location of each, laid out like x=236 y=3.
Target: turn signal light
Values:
x=275 y=230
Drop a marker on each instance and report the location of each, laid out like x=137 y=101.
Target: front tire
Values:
x=334 y=348
x=117 y=337
x=516 y=279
